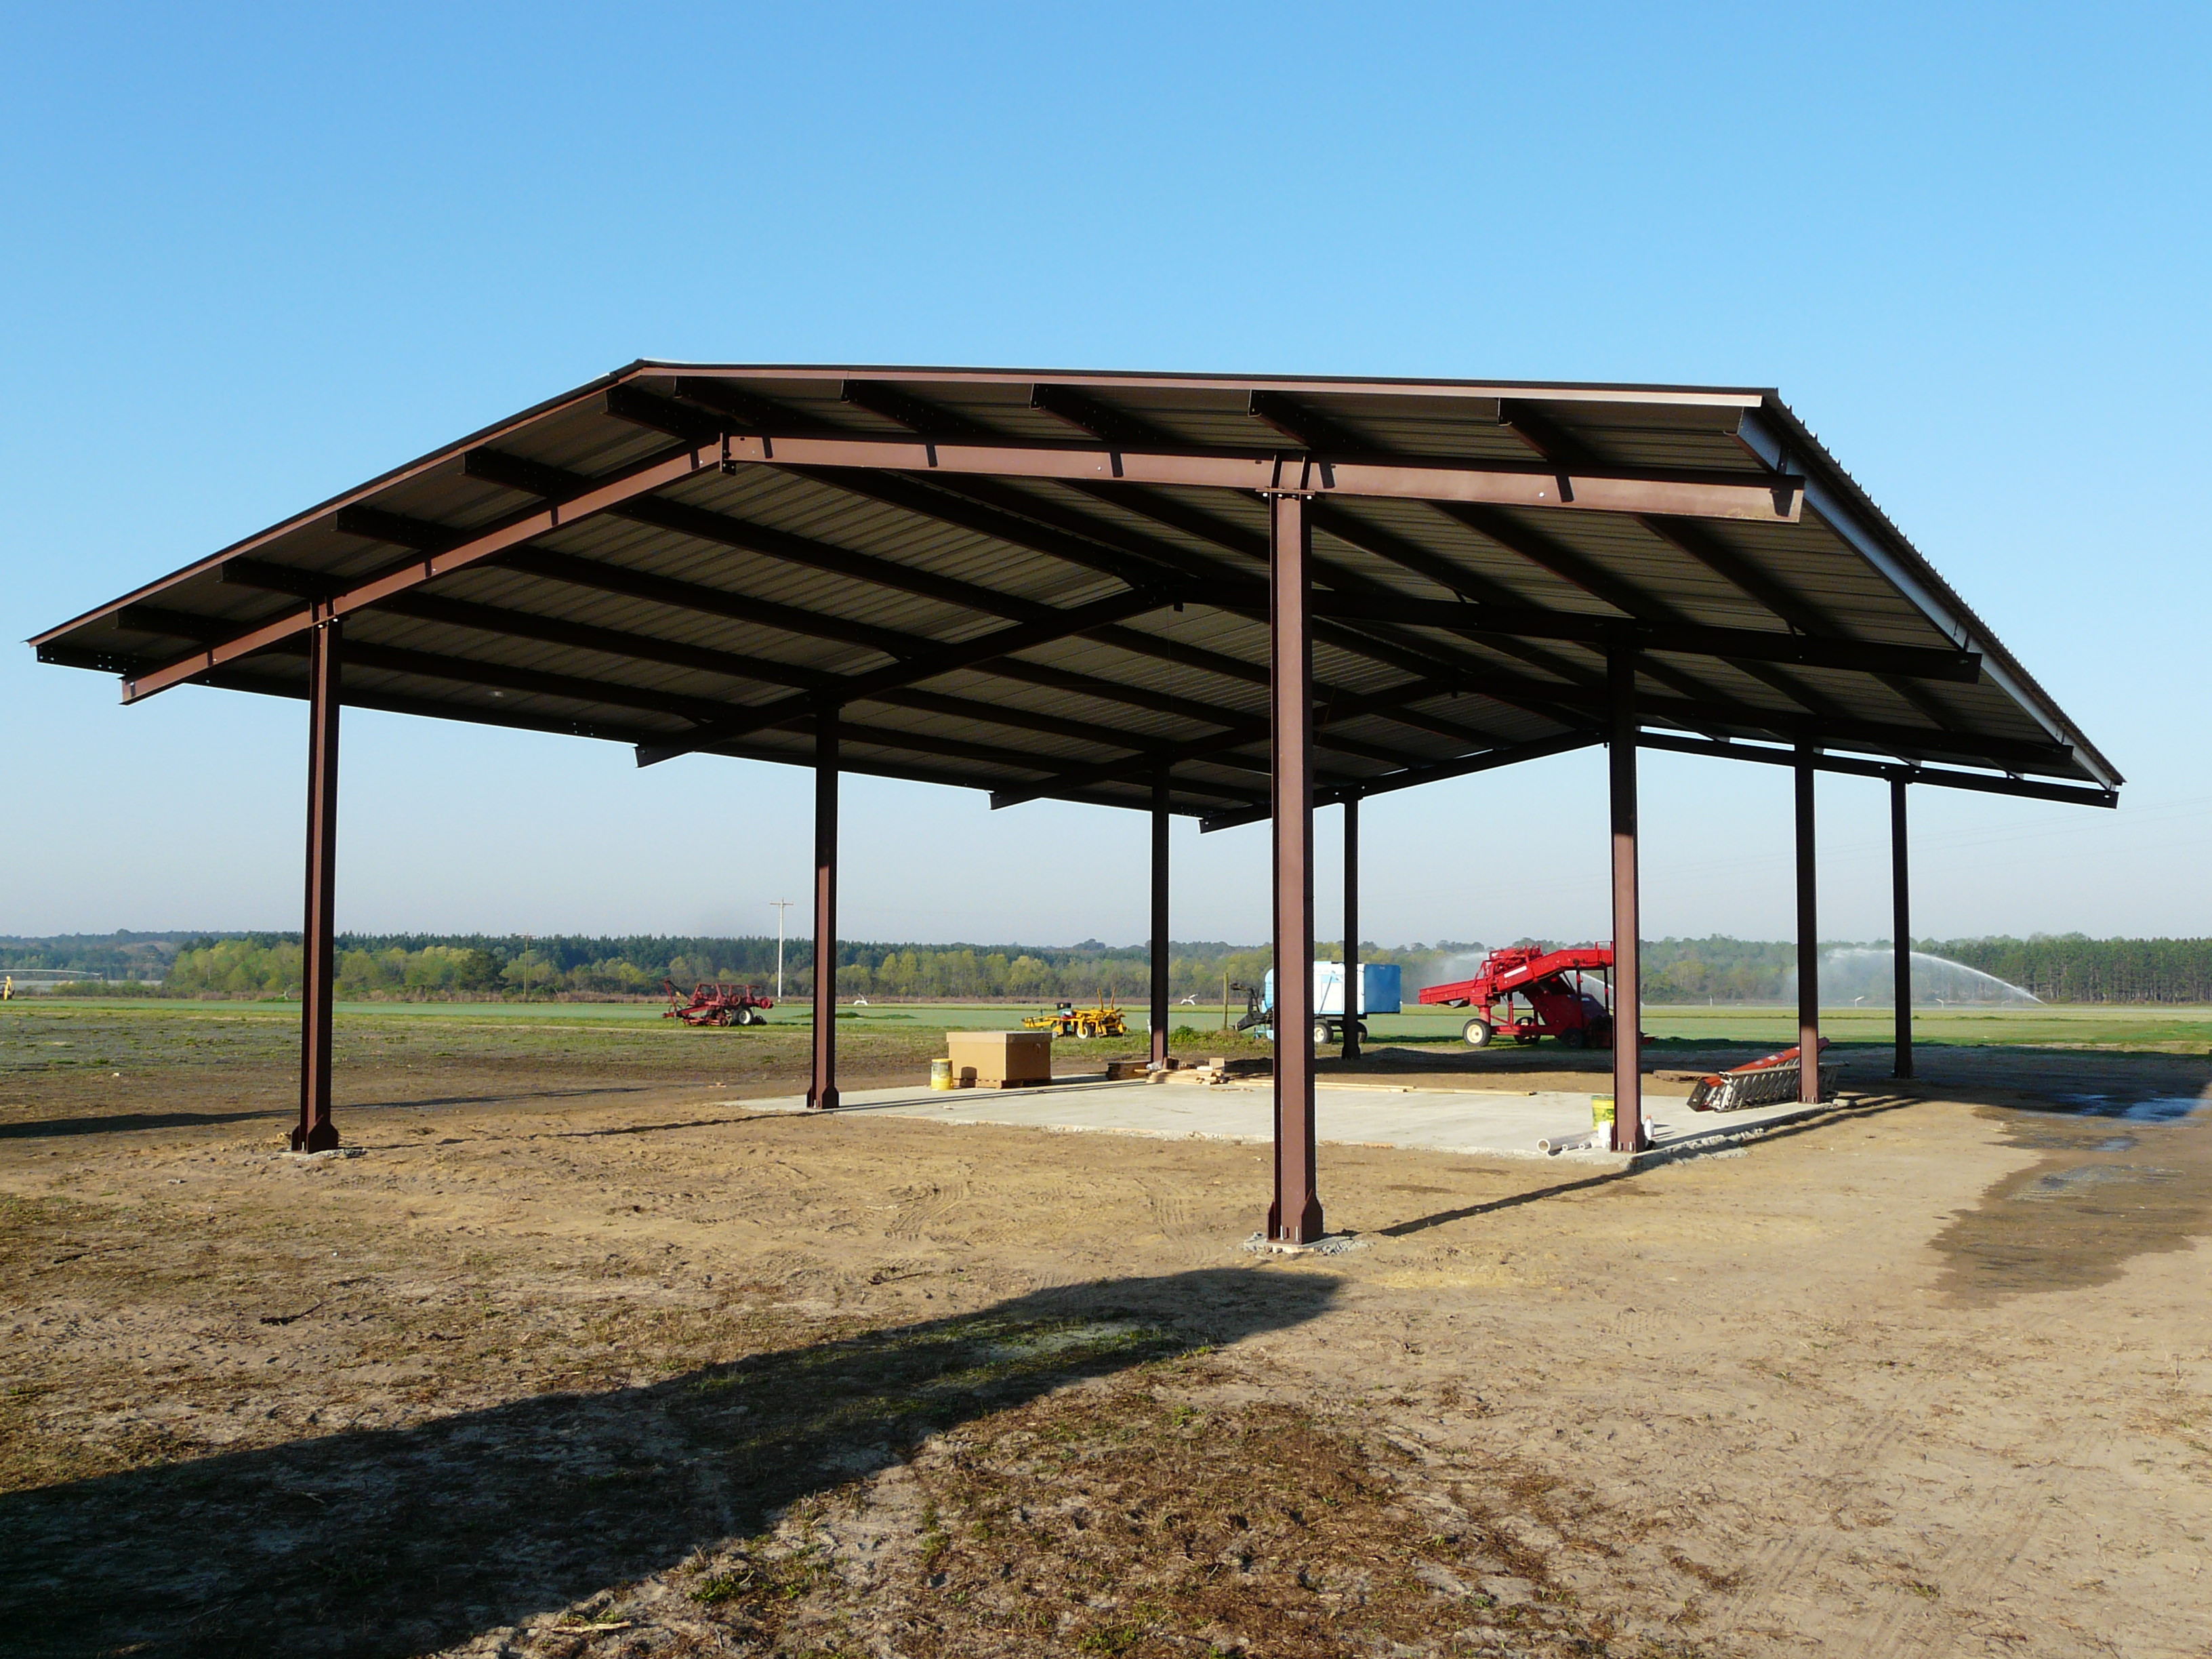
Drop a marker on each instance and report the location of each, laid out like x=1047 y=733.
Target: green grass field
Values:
x=2052 y=1026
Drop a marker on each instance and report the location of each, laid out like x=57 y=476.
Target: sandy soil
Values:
x=578 y=1358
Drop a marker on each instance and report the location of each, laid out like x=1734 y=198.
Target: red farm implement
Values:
x=1761 y=1083
x=717 y=1005
x=1525 y=991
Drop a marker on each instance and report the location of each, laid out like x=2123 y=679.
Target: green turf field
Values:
x=2054 y=1025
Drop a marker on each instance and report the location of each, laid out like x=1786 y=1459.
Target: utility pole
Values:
x=779 y=906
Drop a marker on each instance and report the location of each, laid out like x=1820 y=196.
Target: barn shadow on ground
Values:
x=391 y=1542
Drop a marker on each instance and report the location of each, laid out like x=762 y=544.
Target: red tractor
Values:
x=1526 y=992
x=717 y=1005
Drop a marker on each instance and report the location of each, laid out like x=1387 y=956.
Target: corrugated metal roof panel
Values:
x=814 y=579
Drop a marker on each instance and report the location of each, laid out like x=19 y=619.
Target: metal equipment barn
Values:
x=1234 y=599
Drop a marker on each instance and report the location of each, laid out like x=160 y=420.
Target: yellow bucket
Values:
x=1600 y=1111
x=940 y=1073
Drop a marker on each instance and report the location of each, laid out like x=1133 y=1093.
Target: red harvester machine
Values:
x=1525 y=992
x=717 y=1005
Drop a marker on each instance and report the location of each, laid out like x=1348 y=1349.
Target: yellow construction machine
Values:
x=1068 y=1020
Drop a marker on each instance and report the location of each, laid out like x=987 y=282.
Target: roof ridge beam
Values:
x=1678 y=493
x=1379 y=644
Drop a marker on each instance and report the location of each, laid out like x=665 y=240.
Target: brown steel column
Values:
x=1352 y=1007
x=1901 y=926
x=1808 y=938
x=315 y=1132
x=822 y=1092
x=1160 y=994
x=1295 y=1216
x=1627 y=918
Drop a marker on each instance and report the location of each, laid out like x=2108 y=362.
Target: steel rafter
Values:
x=641 y=479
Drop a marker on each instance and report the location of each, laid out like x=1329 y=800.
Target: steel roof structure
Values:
x=1232 y=597
x=1055 y=585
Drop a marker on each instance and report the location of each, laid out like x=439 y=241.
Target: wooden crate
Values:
x=998 y=1060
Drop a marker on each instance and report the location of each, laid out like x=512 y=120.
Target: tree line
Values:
x=2068 y=968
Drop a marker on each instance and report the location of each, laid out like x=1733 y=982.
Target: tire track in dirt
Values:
x=1991 y=1534
x=924 y=1204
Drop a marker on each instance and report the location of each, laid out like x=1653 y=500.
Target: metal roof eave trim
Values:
x=1831 y=493
x=1553 y=390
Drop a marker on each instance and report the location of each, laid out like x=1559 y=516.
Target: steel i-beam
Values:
x=822 y=1090
x=1627 y=921
x=1901 y=926
x=1295 y=1216
x=315 y=1132
x=1808 y=938
x=1160 y=997
x=1355 y=1005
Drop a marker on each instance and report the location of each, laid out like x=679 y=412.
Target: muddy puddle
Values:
x=2125 y=1169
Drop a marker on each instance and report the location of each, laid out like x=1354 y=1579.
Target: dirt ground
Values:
x=576 y=1358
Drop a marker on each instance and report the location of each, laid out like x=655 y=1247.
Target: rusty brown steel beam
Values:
x=1570 y=565
x=2070 y=794
x=822 y=1086
x=1161 y=996
x=641 y=479
x=501 y=622
x=1808 y=937
x=1315 y=433
x=317 y=1131
x=989 y=507
x=1551 y=443
x=726 y=530
x=1296 y=1215
x=1900 y=931
x=1355 y=1005
x=1380 y=644
x=1628 y=1134
x=1682 y=494
x=933 y=421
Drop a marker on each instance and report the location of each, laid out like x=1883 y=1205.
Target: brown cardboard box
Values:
x=998 y=1060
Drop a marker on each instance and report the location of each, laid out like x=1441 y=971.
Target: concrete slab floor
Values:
x=1480 y=1122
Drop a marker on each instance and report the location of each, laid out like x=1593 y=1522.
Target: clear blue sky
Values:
x=249 y=257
